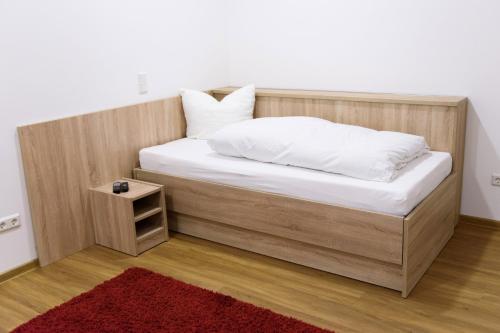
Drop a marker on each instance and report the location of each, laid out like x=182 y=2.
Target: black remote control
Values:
x=124 y=187
x=117 y=187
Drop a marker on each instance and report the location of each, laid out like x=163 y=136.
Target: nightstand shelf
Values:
x=142 y=214
x=130 y=222
x=151 y=223
x=147 y=203
x=146 y=234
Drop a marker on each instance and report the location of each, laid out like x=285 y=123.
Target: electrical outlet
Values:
x=495 y=179
x=9 y=222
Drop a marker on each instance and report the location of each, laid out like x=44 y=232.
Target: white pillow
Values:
x=205 y=115
x=320 y=144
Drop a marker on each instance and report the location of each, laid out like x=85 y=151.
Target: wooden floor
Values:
x=460 y=292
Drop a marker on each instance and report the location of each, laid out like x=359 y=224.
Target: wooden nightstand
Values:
x=130 y=222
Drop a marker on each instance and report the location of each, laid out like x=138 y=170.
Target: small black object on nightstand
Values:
x=124 y=186
x=117 y=187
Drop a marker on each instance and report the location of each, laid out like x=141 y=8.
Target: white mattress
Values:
x=191 y=158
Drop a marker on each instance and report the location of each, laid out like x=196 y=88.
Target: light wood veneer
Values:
x=64 y=158
x=351 y=96
x=368 y=234
x=427 y=230
x=130 y=222
x=357 y=267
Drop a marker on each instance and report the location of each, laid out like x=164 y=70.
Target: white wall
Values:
x=59 y=58
x=449 y=47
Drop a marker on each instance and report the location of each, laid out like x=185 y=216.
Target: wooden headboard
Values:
x=440 y=119
x=63 y=158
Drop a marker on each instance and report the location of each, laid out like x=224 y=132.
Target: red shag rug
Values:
x=139 y=300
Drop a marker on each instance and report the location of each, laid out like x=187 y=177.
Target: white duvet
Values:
x=320 y=144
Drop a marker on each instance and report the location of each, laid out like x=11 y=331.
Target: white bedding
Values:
x=191 y=158
x=319 y=144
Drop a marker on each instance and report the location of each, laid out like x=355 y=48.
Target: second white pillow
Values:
x=206 y=115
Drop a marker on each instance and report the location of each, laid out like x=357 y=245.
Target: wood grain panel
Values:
x=351 y=96
x=373 y=235
x=345 y=264
x=459 y=148
x=113 y=222
x=152 y=240
x=427 y=230
x=63 y=158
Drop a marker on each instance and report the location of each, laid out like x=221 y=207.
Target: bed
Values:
x=387 y=234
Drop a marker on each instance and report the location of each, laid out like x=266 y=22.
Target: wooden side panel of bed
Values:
x=357 y=267
x=367 y=234
x=427 y=230
x=63 y=158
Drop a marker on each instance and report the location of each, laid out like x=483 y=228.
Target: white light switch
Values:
x=142 y=82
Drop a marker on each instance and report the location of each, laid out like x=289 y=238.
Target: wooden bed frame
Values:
x=385 y=250
x=63 y=158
